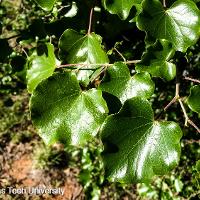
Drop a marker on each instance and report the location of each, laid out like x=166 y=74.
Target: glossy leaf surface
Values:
x=193 y=100
x=84 y=49
x=119 y=83
x=120 y=7
x=137 y=147
x=46 y=4
x=179 y=24
x=62 y=112
x=42 y=64
x=156 y=60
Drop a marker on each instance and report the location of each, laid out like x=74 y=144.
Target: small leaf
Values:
x=62 y=112
x=76 y=48
x=119 y=83
x=179 y=24
x=137 y=146
x=193 y=100
x=42 y=64
x=120 y=7
x=46 y=4
x=156 y=60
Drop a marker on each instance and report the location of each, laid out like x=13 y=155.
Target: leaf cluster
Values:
x=81 y=92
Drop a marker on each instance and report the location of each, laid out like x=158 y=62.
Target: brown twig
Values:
x=170 y=103
x=81 y=65
x=164 y=4
x=184 y=111
x=192 y=79
x=187 y=119
x=191 y=141
x=90 y=21
x=129 y=62
x=176 y=97
x=72 y=66
x=25 y=52
x=194 y=125
x=124 y=59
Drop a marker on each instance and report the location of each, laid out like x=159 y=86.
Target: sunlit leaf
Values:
x=156 y=60
x=136 y=146
x=42 y=64
x=120 y=7
x=119 y=83
x=179 y=24
x=82 y=49
x=62 y=112
x=46 y=4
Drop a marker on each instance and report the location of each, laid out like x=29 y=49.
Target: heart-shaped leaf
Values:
x=193 y=100
x=137 y=147
x=62 y=112
x=82 y=49
x=120 y=7
x=179 y=24
x=42 y=64
x=119 y=83
x=46 y=4
x=156 y=60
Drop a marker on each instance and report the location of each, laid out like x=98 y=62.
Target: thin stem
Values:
x=177 y=89
x=81 y=65
x=170 y=103
x=175 y=98
x=50 y=39
x=184 y=111
x=191 y=141
x=90 y=21
x=62 y=7
x=192 y=79
x=164 y=3
x=194 y=125
x=187 y=119
x=129 y=62
x=124 y=59
x=25 y=52
x=80 y=68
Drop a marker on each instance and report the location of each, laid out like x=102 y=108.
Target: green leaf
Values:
x=62 y=112
x=119 y=83
x=137 y=147
x=82 y=49
x=46 y=4
x=156 y=60
x=179 y=24
x=42 y=64
x=193 y=100
x=120 y=7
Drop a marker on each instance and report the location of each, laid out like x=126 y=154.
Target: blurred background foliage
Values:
x=22 y=26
